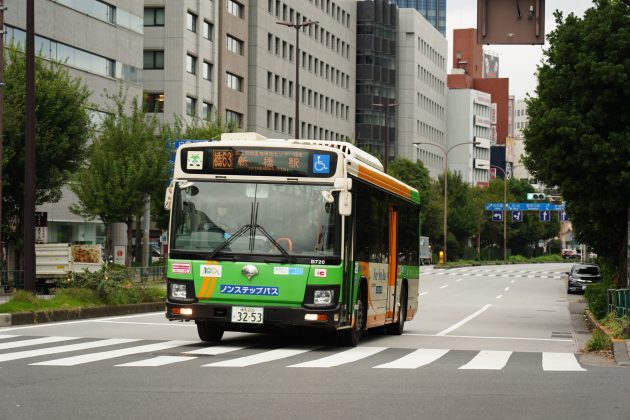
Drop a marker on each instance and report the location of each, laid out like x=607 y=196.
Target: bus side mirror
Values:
x=345 y=203
x=168 y=198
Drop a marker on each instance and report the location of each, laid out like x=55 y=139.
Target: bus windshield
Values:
x=254 y=218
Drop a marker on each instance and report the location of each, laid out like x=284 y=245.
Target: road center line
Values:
x=499 y=297
x=506 y=289
x=446 y=285
x=463 y=321
x=423 y=293
x=565 y=340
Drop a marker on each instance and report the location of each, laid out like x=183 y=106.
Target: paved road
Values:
x=489 y=342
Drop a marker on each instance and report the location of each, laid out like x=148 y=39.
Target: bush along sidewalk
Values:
x=105 y=293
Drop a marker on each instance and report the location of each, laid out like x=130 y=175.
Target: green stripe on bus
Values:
x=415 y=196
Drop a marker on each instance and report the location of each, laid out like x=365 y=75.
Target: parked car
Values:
x=581 y=275
x=571 y=254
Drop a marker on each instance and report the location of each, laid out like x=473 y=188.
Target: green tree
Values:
x=416 y=175
x=61 y=135
x=127 y=161
x=578 y=137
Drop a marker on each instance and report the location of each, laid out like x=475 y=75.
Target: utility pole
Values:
x=2 y=9
x=28 y=220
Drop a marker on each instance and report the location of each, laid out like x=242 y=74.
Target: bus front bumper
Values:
x=274 y=317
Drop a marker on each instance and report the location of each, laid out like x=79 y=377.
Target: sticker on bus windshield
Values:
x=233 y=289
x=180 y=268
x=211 y=271
x=288 y=271
x=321 y=164
x=194 y=160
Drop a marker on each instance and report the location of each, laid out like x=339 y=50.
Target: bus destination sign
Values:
x=261 y=161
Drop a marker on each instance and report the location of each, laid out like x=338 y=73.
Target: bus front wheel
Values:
x=351 y=337
x=209 y=331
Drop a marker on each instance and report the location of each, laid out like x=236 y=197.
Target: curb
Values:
x=55 y=315
x=620 y=348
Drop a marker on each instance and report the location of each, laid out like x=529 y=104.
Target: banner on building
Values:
x=490 y=66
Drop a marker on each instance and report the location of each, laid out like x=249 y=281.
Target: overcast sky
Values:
x=516 y=62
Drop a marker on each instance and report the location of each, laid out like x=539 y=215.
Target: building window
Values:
x=191 y=106
x=233 y=116
x=235 y=8
x=208 y=30
x=191 y=22
x=234 y=82
x=207 y=70
x=234 y=44
x=154 y=16
x=206 y=111
x=191 y=64
x=154 y=102
x=153 y=60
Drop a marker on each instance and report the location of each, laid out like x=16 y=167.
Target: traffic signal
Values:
x=535 y=196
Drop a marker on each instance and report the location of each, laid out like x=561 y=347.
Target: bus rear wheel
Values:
x=398 y=327
x=209 y=331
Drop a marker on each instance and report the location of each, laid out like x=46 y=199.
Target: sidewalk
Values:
x=621 y=351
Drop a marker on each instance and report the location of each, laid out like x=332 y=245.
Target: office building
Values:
x=434 y=11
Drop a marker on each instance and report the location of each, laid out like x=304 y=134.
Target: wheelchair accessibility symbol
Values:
x=321 y=164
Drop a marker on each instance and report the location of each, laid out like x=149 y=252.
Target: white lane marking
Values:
x=458 y=280
x=157 y=324
x=443 y=287
x=95 y=357
x=423 y=293
x=499 y=297
x=34 y=342
x=267 y=356
x=420 y=357
x=84 y=321
x=463 y=321
x=158 y=361
x=560 y=362
x=512 y=281
x=215 y=350
x=344 y=357
x=494 y=338
x=488 y=360
x=2 y=337
x=506 y=289
x=63 y=349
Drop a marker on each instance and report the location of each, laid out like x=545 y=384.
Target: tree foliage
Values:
x=61 y=134
x=416 y=175
x=126 y=161
x=578 y=136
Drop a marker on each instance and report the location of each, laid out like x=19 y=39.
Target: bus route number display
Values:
x=264 y=161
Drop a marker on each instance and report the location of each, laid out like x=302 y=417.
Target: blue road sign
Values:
x=545 y=216
x=497 y=216
x=175 y=145
x=563 y=216
x=517 y=216
x=525 y=206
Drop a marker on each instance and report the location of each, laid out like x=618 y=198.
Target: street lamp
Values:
x=297 y=27
x=386 y=107
x=446 y=152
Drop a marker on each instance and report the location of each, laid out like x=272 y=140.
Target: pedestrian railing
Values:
x=619 y=302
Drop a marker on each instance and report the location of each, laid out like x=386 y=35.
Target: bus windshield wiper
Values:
x=240 y=232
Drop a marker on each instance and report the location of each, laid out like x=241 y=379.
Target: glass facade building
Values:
x=433 y=10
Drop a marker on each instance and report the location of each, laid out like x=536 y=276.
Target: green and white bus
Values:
x=269 y=234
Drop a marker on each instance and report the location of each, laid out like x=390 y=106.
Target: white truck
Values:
x=58 y=261
x=426 y=255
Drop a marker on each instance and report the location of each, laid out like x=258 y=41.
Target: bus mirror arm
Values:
x=168 y=198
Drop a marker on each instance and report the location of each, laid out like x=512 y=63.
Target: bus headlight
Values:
x=324 y=297
x=178 y=290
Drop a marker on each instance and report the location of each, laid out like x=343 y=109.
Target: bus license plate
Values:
x=247 y=315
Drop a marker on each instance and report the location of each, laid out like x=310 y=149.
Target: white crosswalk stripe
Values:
x=267 y=356
x=560 y=362
x=488 y=360
x=417 y=358
x=342 y=358
x=4 y=336
x=94 y=357
x=420 y=357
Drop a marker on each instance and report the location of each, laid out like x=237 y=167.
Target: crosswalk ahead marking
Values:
x=483 y=360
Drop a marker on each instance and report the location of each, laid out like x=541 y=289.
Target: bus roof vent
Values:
x=246 y=136
x=347 y=149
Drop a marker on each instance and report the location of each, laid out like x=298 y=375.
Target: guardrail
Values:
x=619 y=302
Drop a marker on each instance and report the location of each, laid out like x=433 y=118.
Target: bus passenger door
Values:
x=392 y=264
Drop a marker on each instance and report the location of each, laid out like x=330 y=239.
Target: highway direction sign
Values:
x=525 y=206
x=497 y=216
x=517 y=216
x=563 y=216
x=545 y=216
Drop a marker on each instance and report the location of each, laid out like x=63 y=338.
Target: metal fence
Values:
x=619 y=302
